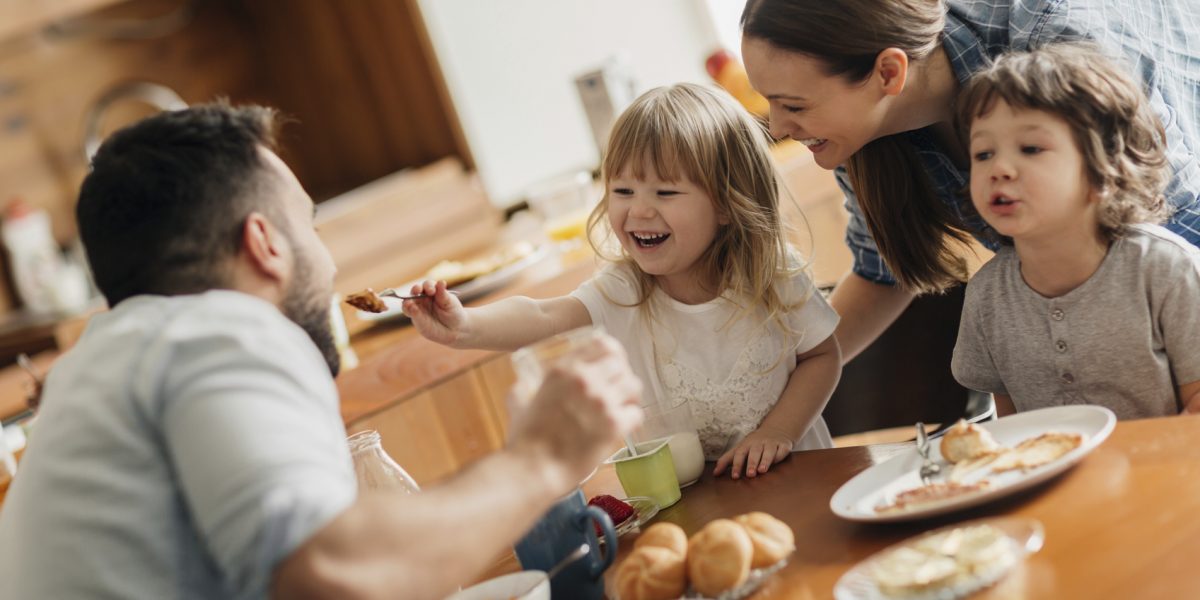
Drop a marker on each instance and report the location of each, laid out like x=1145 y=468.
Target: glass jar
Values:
x=373 y=467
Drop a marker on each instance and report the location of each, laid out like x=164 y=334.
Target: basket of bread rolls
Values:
x=725 y=560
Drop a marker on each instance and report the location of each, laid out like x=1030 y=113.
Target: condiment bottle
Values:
x=374 y=468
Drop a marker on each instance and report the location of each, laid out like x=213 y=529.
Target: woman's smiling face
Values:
x=834 y=117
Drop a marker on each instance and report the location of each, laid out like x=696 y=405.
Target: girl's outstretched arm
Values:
x=505 y=324
x=808 y=390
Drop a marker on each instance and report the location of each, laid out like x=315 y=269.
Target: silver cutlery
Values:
x=566 y=561
x=929 y=469
x=392 y=293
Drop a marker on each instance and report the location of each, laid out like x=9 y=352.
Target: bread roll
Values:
x=664 y=535
x=651 y=573
x=771 y=538
x=718 y=557
x=965 y=441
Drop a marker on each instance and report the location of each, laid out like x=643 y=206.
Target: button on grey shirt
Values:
x=185 y=446
x=1124 y=339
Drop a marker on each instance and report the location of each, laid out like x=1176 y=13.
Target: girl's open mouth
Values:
x=649 y=240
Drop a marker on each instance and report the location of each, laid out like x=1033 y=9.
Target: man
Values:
x=190 y=445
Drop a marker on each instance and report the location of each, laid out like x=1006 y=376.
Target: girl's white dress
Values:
x=732 y=371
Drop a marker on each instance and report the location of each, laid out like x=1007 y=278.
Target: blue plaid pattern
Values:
x=1154 y=37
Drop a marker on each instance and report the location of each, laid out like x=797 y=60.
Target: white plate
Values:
x=857 y=499
x=467 y=290
x=1025 y=536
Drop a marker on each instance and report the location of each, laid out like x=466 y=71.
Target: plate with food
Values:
x=466 y=279
x=947 y=563
x=978 y=463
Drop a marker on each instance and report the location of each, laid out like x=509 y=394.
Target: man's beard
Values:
x=307 y=306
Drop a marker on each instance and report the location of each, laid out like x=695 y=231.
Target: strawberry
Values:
x=618 y=510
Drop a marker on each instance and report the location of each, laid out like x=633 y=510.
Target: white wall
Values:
x=511 y=66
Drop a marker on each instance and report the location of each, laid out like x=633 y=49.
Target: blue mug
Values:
x=566 y=526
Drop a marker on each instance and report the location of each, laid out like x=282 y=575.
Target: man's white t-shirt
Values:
x=184 y=447
x=732 y=370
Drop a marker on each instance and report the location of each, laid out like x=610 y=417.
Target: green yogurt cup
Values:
x=651 y=473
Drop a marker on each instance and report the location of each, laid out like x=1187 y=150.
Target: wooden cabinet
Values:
x=437 y=432
x=356 y=80
x=21 y=16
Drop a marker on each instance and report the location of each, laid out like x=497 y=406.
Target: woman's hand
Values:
x=756 y=453
x=439 y=316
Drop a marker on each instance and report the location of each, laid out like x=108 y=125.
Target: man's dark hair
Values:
x=162 y=209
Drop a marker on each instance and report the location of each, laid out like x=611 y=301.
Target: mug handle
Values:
x=610 y=538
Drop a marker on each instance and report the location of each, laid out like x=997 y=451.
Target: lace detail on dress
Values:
x=726 y=411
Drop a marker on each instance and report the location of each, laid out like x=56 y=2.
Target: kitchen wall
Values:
x=510 y=68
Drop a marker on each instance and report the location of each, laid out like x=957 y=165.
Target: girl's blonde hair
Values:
x=1121 y=139
x=691 y=132
x=917 y=235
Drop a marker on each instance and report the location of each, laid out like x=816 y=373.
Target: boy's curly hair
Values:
x=1120 y=137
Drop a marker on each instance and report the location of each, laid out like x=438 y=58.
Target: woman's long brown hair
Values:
x=917 y=235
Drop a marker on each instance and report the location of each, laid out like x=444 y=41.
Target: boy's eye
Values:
x=667 y=193
x=622 y=191
x=982 y=155
x=1030 y=149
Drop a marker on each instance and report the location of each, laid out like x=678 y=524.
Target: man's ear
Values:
x=266 y=248
x=891 y=67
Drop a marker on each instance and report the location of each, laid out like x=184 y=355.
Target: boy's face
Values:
x=666 y=226
x=1028 y=178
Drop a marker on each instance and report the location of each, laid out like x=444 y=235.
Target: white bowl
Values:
x=508 y=586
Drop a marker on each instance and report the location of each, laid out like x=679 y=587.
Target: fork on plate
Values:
x=929 y=469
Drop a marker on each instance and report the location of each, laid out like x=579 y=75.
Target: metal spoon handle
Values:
x=568 y=560
x=922 y=440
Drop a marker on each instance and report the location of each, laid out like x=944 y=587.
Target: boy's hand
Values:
x=756 y=453
x=1192 y=405
x=439 y=316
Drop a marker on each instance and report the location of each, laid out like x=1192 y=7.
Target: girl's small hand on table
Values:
x=755 y=454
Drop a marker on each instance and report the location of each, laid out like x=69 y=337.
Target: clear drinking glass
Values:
x=672 y=419
x=373 y=466
x=531 y=362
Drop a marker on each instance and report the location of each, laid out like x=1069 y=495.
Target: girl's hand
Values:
x=756 y=453
x=439 y=316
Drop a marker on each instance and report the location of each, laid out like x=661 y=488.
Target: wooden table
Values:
x=1124 y=523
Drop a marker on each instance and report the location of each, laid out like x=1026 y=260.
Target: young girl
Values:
x=704 y=293
x=1085 y=302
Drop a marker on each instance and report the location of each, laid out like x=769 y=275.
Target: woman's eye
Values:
x=792 y=109
x=1030 y=149
x=982 y=155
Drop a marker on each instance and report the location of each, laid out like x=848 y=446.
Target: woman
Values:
x=869 y=86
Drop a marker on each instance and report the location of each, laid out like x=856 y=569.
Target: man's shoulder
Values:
x=156 y=332
x=210 y=314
